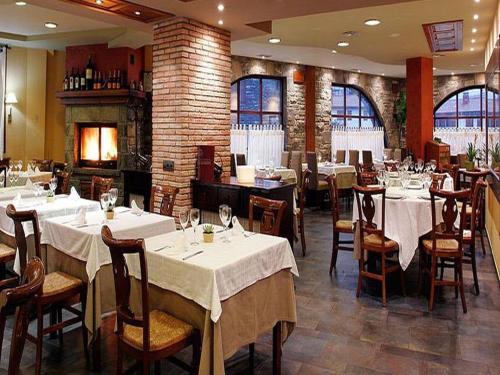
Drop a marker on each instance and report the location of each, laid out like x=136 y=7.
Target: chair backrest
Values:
x=334 y=197
x=20 y=218
x=438 y=181
x=58 y=166
x=63 y=179
x=21 y=298
x=233 y=165
x=462 y=158
x=354 y=158
x=390 y=166
x=166 y=196
x=303 y=190
x=296 y=165
x=272 y=214
x=312 y=165
x=340 y=156
x=367 y=157
x=366 y=178
x=388 y=153
x=473 y=176
x=450 y=211
x=100 y=185
x=397 y=154
x=124 y=314
x=241 y=159
x=477 y=206
x=285 y=159
x=44 y=165
x=366 y=212
x=5 y=162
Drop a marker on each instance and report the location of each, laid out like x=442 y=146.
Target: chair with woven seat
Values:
x=296 y=165
x=445 y=243
x=367 y=158
x=272 y=214
x=340 y=156
x=299 y=213
x=7 y=254
x=165 y=195
x=373 y=241
x=63 y=180
x=100 y=185
x=44 y=165
x=60 y=290
x=21 y=298
x=316 y=184
x=152 y=335
x=339 y=226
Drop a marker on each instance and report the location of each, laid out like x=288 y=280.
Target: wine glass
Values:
x=10 y=176
x=183 y=219
x=194 y=218
x=113 y=196
x=104 y=201
x=432 y=165
x=225 y=218
x=20 y=165
x=381 y=177
x=53 y=184
x=2 y=178
x=405 y=180
x=15 y=174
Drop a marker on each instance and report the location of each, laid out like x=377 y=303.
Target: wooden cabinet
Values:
x=440 y=152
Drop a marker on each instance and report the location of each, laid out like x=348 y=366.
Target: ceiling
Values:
x=309 y=29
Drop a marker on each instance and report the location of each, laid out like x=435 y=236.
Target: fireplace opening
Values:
x=97 y=145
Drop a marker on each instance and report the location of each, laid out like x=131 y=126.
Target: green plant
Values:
x=400 y=114
x=495 y=153
x=208 y=228
x=50 y=194
x=471 y=152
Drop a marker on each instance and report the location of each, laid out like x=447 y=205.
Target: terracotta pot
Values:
x=110 y=215
x=208 y=237
x=469 y=165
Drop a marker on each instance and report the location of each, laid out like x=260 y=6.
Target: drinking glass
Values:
x=225 y=218
x=405 y=180
x=184 y=219
x=104 y=201
x=20 y=165
x=194 y=218
x=113 y=196
x=381 y=177
x=10 y=174
x=433 y=165
x=2 y=178
x=15 y=174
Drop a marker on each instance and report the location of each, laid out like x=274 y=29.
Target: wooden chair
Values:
x=438 y=181
x=240 y=159
x=20 y=298
x=316 y=184
x=300 y=210
x=444 y=243
x=373 y=242
x=462 y=158
x=340 y=156
x=58 y=166
x=285 y=159
x=166 y=196
x=60 y=290
x=339 y=226
x=296 y=165
x=5 y=162
x=391 y=166
x=44 y=165
x=388 y=153
x=100 y=185
x=367 y=160
x=397 y=155
x=366 y=178
x=63 y=180
x=272 y=214
x=151 y=335
x=354 y=158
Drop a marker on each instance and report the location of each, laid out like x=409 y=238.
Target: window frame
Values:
x=376 y=118
x=260 y=112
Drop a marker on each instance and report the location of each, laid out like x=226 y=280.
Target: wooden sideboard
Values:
x=208 y=196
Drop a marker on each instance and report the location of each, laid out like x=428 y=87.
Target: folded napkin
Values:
x=37 y=170
x=73 y=195
x=29 y=184
x=135 y=208
x=18 y=200
x=30 y=169
x=237 y=227
x=81 y=216
x=448 y=183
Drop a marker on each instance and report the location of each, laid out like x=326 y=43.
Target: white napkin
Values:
x=135 y=208
x=237 y=227
x=29 y=184
x=448 y=183
x=81 y=216
x=30 y=170
x=18 y=200
x=37 y=170
x=73 y=195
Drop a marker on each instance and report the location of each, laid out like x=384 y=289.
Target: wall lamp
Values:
x=10 y=99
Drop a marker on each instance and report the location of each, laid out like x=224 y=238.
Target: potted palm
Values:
x=495 y=156
x=400 y=115
x=471 y=154
x=208 y=233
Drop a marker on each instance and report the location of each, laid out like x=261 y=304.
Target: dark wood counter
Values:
x=210 y=195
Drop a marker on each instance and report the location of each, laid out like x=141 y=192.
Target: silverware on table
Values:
x=192 y=255
x=249 y=234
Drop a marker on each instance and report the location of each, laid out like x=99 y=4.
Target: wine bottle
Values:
x=109 y=83
x=113 y=80
x=76 y=80
x=94 y=81
x=72 y=80
x=119 y=80
x=99 y=79
x=66 y=82
x=83 y=84
x=89 y=74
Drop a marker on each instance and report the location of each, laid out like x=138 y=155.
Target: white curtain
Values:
x=358 y=139
x=459 y=138
x=3 y=63
x=262 y=144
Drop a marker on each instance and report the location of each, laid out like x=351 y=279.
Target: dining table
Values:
x=21 y=178
x=9 y=193
x=345 y=174
x=287 y=174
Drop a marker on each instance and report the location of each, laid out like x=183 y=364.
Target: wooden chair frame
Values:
x=166 y=195
x=272 y=214
x=300 y=219
x=100 y=185
x=63 y=180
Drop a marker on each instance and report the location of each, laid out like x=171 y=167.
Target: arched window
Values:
x=352 y=109
x=257 y=100
x=466 y=108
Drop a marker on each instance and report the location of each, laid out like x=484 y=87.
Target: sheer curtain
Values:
x=3 y=71
x=459 y=138
x=262 y=144
x=358 y=139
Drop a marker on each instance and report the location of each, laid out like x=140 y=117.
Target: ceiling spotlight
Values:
x=263 y=57
x=472 y=49
x=50 y=25
x=137 y=13
x=334 y=51
x=372 y=22
x=473 y=65
x=343 y=44
x=452 y=73
x=333 y=66
x=476 y=17
x=274 y=40
x=477 y=1
x=221 y=22
x=473 y=41
x=21 y=3
x=297 y=62
x=383 y=74
x=434 y=68
x=220 y=7
x=474 y=30
x=350 y=34
x=98 y=2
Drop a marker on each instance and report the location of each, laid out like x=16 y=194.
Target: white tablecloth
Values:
x=329 y=169
x=287 y=175
x=405 y=220
x=33 y=176
x=85 y=243
x=220 y=272
x=9 y=193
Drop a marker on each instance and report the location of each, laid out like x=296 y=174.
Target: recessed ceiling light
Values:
x=383 y=74
x=98 y=2
x=358 y=70
x=434 y=68
x=137 y=13
x=437 y=55
x=477 y=1
x=220 y=7
x=343 y=43
x=473 y=41
x=221 y=22
x=274 y=40
x=452 y=73
x=472 y=49
x=473 y=65
x=263 y=57
x=372 y=22
x=474 y=30
x=50 y=25
x=297 y=62
x=334 y=51
x=333 y=66
x=476 y=16
x=350 y=33
x=21 y=3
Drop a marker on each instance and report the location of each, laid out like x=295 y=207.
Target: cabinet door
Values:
x=231 y=197
x=205 y=197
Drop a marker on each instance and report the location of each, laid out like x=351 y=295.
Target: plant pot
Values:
x=469 y=165
x=110 y=215
x=51 y=199
x=208 y=237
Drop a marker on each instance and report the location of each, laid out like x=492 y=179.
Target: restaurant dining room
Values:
x=249 y=187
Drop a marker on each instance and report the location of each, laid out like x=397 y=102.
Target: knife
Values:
x=192 y=255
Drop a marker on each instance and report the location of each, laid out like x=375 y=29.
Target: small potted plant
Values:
x=51 y=196
x=110 y=212
x=471 y=156
x=208 y=233
x=495 y=156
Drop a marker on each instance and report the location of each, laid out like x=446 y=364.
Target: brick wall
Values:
x=191 y=98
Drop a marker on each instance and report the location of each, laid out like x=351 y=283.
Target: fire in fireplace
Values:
x=97 y=145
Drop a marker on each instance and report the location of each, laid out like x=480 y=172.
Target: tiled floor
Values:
x=337 y=333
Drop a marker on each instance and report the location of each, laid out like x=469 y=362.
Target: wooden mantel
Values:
x=99 y=97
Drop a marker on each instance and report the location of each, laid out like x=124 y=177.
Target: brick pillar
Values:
x=191 y=99
x=419 y=104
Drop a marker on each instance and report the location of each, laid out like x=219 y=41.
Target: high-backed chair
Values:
x=372 y=240
x=21 y=298
x=388 y=153
x=240 y=160
x=445 y=242
x=438 y=181
x=340 y=156
x=100 y=185
x=365 y=177
x=398 y=154
x=272 y=214
x=60 y=290
x=149 y=336
x=339 y=226
x=296 y=165
x=165 y=195
x=300 y=210
x=367 y=160
x=58 y=166
x=63 y=180
x=285 y=159
x=462 y=159
x=315 y=183
x=354 y=158
x=44 y=165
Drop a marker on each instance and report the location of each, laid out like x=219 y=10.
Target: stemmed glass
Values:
x=53 y=184
x=184 y=219
x=405 y=180
x=225 y=218
x=432 y=165
x=20 y=165
x=2 y=177
x=194 y=218
x=113 y=196
x=381 y=177
x=104 y=201
x=15 y=175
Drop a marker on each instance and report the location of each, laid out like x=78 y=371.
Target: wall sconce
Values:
x=10 y=99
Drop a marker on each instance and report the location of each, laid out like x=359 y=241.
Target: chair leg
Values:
x=384 y=289
x=455 y=278
x=157 y=367
x=2 y=329
x=196 y=353
x=461 y=280
x=19 y=333
x=361 y=268
x=420 y=272
x=402 y=276
x=251 y=356
x=39 y=339
x=335 y=251
x=302 y=235
x=60 y=332
x=145 y=367
x=433 y=281
x=482 y=240
x=474 y=270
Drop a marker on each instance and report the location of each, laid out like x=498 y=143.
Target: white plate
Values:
x=396 y=196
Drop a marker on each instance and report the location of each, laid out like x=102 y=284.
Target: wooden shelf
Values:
x=98 y=97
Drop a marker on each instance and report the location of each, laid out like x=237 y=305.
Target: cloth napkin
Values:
x=237 y=227
x=29 y=184
x=81 y=216
x=135 y=208
x=30 y=170
x=448 y=183
x=73 y=195
x=18 y=200
x=37 y=170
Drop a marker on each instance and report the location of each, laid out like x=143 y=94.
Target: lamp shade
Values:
x=11 y=98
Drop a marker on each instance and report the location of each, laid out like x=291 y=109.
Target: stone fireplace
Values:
x=96 y=145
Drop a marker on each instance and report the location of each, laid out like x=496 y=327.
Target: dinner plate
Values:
x=394 y=196
x=415 y=187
